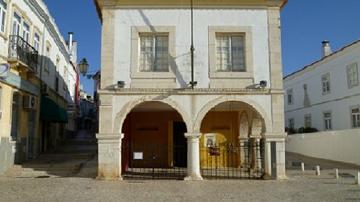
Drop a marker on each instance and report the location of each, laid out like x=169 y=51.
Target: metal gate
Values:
x=154 y=162
x=233 y=161
x=226 y=161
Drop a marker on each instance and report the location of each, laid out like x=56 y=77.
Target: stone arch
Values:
x=213 y=103
x=126 y=109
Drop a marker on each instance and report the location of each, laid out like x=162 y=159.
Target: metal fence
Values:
x=226 y=161
x=233 y=161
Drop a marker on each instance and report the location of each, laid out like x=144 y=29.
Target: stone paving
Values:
x=81 y=185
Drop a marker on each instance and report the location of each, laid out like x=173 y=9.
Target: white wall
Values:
x=203 y=18
x=338 y=101
x=31 y=12
x=340 y=146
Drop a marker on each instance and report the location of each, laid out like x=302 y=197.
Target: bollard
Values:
x=302 y=166
x=357 y=180
x=336 y=173
x=317 y=170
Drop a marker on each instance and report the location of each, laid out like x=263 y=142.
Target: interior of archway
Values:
x=223 y=128
x=154 y=137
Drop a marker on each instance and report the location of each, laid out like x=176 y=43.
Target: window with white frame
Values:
x=291 y=123
x=3 y=8
x=327 y=121
x=307 y=121
x=16 y=24
x=26 y=31
x=36 y=41
x=352 y=75
x=47 y=58
x=230 y=52
x=325 y=83
x=355 y=117
x=65 y=78
x=290 y=97
x=154 y=52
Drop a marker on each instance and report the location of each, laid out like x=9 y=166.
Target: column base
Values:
x=193 y=178
x=109 y=157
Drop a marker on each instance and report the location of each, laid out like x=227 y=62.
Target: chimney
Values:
x=70 y=41
x=326 y=49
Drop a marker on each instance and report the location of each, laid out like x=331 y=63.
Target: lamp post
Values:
x=192 y=49
x=83 y=66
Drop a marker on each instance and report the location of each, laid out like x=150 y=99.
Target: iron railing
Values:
x=233 y=161
x=22 y=51
x=225 y=161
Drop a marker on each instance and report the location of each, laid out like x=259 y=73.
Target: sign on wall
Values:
x=4 y=70
x=138 y=155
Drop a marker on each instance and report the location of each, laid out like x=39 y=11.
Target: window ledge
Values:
x=152 y=75
x=232 y=75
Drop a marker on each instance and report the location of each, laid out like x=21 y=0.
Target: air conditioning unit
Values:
x=45 y=89
x=29 y=102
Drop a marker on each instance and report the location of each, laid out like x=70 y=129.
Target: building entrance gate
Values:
x=233 y=161
x=230 y=161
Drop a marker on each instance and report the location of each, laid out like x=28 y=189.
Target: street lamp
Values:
x=83 y=66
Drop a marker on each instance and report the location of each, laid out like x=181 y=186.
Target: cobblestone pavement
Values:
x=301 y=186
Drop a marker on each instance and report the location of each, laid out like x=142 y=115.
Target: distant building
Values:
x=325 y=95
x=38 y=79
x=155 y=112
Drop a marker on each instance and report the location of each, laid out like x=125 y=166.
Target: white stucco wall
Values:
x=339 y=101
x=32 y=15
x=340 y=146
x=180 y=18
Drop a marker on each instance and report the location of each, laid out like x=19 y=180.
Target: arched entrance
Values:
x=154 y=145
x=231 y=145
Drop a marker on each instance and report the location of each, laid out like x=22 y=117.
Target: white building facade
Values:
x=42 y=72
x=145 y=76
x=325 y=95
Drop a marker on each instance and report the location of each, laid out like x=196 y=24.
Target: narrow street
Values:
x=67 y=161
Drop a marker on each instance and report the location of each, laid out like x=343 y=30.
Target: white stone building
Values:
x=325 y=94
x=39 y=84
x=145 y=98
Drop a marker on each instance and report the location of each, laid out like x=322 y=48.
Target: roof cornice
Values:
x=112 y=4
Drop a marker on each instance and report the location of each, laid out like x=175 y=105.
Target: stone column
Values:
x=267 y=160
x=280 y=159
x=109 y=154
x=258 y=154
x=193 y=156
x=243 y=151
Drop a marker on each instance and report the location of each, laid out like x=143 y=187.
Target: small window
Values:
x=355 y=116
x=36 y=41
x=47 y=58
x=16 y=24
x=230 y=53
x=3 y=8
x=325 y=82
x=291 y=123
x=26 y=32
x=327 y=121
x=290 y=97
x=154 y=53
x=352 y=75
x=307 y=121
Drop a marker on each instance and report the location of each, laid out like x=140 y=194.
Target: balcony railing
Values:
x=23 y=52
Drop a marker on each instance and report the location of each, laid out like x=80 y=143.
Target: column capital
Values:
x=193 y=135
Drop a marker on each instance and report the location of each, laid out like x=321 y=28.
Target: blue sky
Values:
x=305 y=24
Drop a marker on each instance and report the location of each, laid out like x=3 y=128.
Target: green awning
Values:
x=52 y=112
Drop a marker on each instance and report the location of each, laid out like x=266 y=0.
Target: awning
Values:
x=52 y=112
